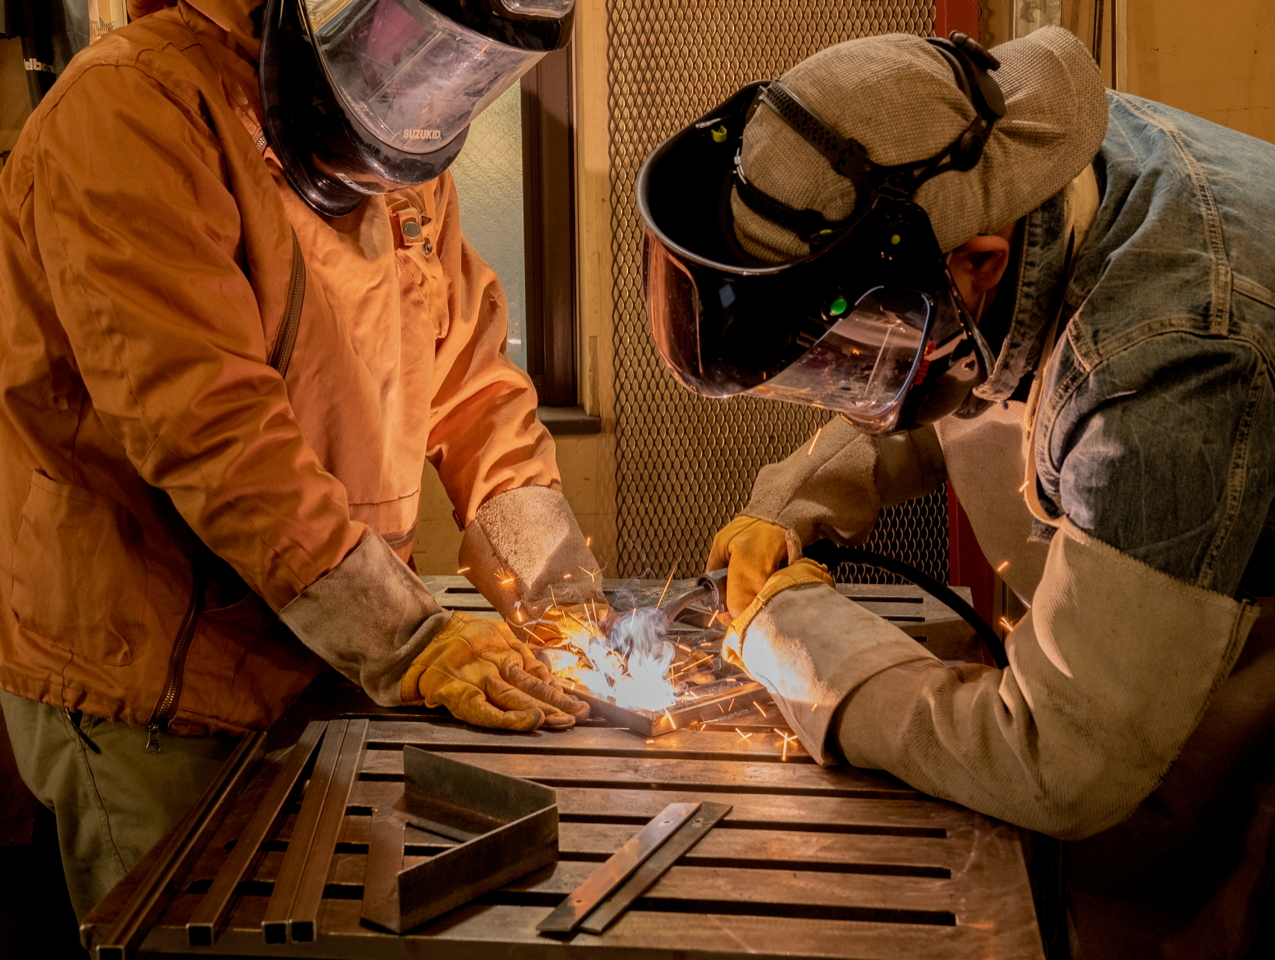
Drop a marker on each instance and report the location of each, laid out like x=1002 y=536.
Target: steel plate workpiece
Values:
x=580 y=903
x=506 y=828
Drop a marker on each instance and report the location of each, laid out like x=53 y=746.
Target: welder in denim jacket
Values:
x=1060 y=299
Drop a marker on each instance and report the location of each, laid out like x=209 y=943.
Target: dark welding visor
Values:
x=851 y=327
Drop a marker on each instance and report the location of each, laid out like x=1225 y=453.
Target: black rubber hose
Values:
x=829 y=554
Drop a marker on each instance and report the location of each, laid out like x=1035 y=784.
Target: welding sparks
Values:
x=761 y=711
x=670 y=718
x=666 y=586
x=787 y=740
x=1023 y=487
x=1009 y=627
x=1001 y=568
x=592 y=575
x=742 y=735
x=463 y=570
x=814 y=441
x=588 y=541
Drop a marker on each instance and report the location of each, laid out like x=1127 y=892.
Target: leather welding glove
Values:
x=797 y=574
x=752 y=550
x=375 y=621
x=479 y=671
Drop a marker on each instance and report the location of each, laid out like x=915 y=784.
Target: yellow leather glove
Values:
x=796 y=574
x=484 y=675
x=751 y=550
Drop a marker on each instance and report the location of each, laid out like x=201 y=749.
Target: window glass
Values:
x=488 y=176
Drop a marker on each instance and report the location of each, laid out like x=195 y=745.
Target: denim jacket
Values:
x=1156 y=431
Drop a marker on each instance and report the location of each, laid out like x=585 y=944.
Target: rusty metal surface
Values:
x=810 y=862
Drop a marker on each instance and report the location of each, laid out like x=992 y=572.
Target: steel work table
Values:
x=810 y=862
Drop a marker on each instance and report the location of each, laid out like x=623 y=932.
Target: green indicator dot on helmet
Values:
x=719 y=133
x=895 y=240
x=838 y=306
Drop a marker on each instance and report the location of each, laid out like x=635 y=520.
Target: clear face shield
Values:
x=364 y=97
x=412 y=76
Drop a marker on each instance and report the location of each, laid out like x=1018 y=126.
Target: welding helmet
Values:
x=364 y=97
x=868 y=323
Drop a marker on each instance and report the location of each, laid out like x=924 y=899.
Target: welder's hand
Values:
x=796 y=574
x=751 y=550
x=479 y=671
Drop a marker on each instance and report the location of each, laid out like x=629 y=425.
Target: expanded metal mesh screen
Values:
x=686 y=465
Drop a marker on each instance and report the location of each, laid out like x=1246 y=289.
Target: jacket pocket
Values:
x=78 y=578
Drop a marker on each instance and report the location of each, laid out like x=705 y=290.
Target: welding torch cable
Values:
x=830 y=554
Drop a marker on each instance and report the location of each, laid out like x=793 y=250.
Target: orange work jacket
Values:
x=146 y=263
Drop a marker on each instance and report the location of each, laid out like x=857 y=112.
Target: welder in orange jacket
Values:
x=239 y=317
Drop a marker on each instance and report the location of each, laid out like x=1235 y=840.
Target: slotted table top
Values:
x=810 y=862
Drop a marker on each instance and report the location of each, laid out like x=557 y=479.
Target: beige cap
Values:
x=898 y=97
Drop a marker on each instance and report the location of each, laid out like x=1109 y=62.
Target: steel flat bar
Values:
x=274 y=925
x=305 y=906
x=382 y=864
x=569 y=914
x=210 y=916
x=644 y=877
x=186 y=843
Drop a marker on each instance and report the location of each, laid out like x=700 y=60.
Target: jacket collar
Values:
x=233 y=17
x=1042 y=273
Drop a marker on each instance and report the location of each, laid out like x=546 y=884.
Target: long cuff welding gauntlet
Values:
x=526 y=554
x=796 y=637
x=373 y=620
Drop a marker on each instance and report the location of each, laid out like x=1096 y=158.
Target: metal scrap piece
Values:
x=210 y=915
x=583 y=899
x=672 y=850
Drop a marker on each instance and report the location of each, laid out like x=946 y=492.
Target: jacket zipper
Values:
x=167 y=705
x=280 y=357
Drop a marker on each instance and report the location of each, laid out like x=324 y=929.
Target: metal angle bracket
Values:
x=503 y=828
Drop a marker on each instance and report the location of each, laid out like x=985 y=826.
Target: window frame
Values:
x=548 y=156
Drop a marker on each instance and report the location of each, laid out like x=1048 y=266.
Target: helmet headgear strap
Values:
x=970 y=64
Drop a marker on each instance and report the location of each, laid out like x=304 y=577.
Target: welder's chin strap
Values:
x=1109 y=674
x=368 y=618
x=524 y=545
